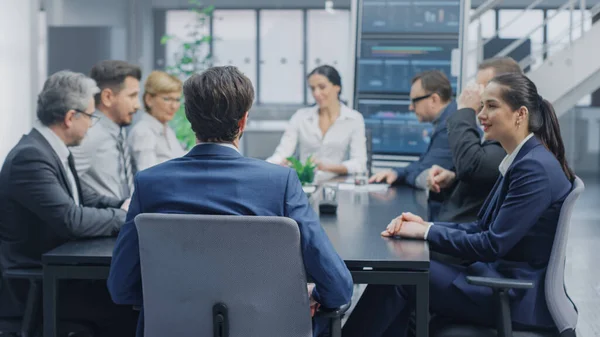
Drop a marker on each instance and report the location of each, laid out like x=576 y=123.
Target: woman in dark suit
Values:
x=513 y=235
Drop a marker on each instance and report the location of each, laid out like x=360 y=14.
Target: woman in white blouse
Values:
x=330 y=131
x=151 y=140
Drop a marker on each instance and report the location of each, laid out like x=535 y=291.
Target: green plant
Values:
x=193 y=55
x=306 y=171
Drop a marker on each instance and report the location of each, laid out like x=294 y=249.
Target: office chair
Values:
x=224 y=276
x=28 y=325
x=562 y=309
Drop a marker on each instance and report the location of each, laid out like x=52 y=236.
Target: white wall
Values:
x=18 y=70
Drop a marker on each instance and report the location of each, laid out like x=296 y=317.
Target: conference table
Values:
x=354 y=230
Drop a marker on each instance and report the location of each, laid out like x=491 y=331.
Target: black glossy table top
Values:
x=354 y=231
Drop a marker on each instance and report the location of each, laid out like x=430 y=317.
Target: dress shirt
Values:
x=63 y=154
x=99 y=161
x=229 y=145
x=508 y=160
x=344 y=139
x=152 y=142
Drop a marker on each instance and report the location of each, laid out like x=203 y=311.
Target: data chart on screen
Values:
x=388 y=66
x=416 y=16
x=394 y=128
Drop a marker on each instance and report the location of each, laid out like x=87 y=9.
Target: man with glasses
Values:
x=463 y=189
x=104 y=159
x=44 y=205
x=431 y=100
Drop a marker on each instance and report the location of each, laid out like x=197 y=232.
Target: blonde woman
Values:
x=151 y=140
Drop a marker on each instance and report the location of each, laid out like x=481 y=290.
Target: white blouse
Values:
x=152 y=142
x=344 y=143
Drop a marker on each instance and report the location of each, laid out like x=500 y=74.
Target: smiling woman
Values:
x=152 y=141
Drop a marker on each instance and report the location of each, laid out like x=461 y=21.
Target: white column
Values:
x=18 y=70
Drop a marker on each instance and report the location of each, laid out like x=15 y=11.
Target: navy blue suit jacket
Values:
x=438 y=152
x=515 y=231
x=214 y=179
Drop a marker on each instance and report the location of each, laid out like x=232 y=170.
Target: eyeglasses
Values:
x=92 y=117
x=171 y=99
x=413 y=101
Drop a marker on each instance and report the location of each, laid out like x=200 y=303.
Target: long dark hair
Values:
x=332 y=75
x=520 y=91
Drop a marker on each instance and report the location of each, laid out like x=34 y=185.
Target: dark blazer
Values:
x=438 y=151
x=476 y=167
x=214 y=179
x=38 y=210
x=514 y=234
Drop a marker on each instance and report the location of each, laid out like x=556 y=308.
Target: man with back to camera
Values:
x=215 y=178
x=44 y=206
x=463 y=189
x=431 y=100
x=104 y=159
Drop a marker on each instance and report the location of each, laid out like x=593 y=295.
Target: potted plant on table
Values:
x=306 y=173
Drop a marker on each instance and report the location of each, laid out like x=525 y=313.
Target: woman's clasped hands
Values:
x=407 y=225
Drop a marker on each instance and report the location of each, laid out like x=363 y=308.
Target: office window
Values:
x=328 y=42
x=558 y=28
x=182 y=24
x=42 y=50
x=516 y=24
x=281 y=53
x=488 y=30
x=234 y=33
x=558 y=35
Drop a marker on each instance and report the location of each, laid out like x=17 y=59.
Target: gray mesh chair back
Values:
x=250 y=264
x=560 y=305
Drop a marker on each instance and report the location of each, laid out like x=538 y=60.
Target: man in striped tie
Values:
x=103 y=159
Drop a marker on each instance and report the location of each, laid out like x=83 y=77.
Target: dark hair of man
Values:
x=501 y=65
x=215 y=102
x=519 y=91
x=111 y=74
x=435 y=81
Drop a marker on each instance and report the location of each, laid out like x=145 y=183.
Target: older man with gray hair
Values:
x=44 y=205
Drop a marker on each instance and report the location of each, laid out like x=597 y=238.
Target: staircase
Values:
x=565 y=76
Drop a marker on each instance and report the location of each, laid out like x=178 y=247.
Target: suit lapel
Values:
x=43 y=142
x=495 y=200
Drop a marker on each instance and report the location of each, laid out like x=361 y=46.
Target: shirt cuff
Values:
x=427 y=230
x=421 y=181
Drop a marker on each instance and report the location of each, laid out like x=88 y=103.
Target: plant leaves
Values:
x=165 y=39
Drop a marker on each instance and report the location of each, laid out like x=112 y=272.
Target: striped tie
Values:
x=126 y=158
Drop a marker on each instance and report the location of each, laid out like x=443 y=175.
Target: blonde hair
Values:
x=159 y=82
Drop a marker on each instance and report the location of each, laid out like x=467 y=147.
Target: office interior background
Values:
x=277 y=42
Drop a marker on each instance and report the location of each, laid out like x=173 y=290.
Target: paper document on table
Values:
x=365 y=188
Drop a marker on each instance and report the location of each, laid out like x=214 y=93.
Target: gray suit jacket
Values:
x=38 y=210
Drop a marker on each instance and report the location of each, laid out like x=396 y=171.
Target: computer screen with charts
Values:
x=395 y=129
x=388 y=66
x=411 y=16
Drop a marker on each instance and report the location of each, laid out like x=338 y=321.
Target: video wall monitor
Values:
x=394 y=129
x=411 y=16
x=388 y=66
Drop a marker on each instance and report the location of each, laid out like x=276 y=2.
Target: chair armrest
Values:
x=335 y=312
x=499 y=283
x=31 y=274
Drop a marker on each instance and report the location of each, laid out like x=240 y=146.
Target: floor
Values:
x=582 y=274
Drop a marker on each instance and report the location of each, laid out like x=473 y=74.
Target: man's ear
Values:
x=69 y=118
x=243 y=122
x=106 y=97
